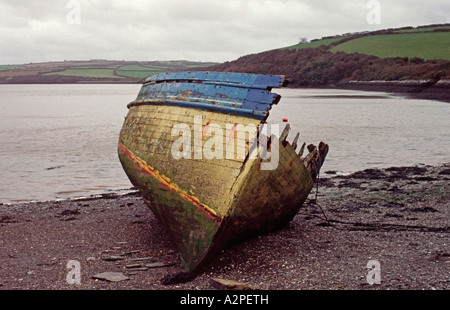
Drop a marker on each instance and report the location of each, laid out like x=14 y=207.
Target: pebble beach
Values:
x=397 y=217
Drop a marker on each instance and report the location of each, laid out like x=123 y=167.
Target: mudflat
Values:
x=397 y=217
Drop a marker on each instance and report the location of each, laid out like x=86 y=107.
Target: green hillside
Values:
x=91 y=71
x=431 y=45
x=9 y=67
x=406 y=55
x=426 y=42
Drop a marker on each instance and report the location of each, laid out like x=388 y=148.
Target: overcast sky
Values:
x=198 y=30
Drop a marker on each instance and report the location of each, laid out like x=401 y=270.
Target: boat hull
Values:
x=207 y=202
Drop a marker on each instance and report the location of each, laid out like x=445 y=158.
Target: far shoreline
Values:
x=426 y=89
x=415 y=89
x=134 y=192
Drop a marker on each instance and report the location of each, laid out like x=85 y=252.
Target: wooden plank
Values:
x=294 y=143
x=206 y=96
x=240 y=79
x=232 y=93
x=285 y=133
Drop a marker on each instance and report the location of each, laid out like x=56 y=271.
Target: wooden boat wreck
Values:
x=205 y=203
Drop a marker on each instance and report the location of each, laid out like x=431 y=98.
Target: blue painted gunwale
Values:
x=232 y=93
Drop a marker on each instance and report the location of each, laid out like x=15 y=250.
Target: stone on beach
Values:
x=159 y=265
x=111 y=276
x=112 y=258
x=231 y=285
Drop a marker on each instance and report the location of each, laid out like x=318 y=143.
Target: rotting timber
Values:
x=207 y=203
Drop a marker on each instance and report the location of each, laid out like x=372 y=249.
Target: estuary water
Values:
x=60 y=141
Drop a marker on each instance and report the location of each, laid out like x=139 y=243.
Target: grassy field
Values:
x=140 y=71
x=138 y=74
x=140 y=68
x=420 y=42
x=92 y=70
x=432 y=45
x=115 y=72
x=91 y=73
x=10 y=67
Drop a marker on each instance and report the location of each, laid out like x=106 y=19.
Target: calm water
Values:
x=60 y=141
x=368 y=129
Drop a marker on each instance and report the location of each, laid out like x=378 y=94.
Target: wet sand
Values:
x=398 y=216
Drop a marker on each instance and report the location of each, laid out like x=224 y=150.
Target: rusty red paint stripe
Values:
x=168 y=184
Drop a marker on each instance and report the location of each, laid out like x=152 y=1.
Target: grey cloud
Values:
x=34 y=31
